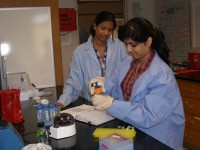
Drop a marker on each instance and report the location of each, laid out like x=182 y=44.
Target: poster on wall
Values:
x=67 y=18
x=173 y=18
x=143 y=8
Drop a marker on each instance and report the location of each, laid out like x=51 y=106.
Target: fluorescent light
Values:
x=5 y=48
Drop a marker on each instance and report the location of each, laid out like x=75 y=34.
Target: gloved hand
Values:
x=96 y=85
x=102 y=102
x=60 y=105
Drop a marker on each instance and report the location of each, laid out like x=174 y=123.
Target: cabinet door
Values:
x=192 y=137
x=191 y=106
x=192 y=122
x=189 y=89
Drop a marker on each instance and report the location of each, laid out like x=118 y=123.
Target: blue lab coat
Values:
x=85 y=66
x=155 y=105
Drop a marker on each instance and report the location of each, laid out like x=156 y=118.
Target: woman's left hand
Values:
x=102 y=102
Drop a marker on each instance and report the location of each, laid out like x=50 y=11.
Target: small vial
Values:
x=42 y=133
x=39 y=113
x=46 y=115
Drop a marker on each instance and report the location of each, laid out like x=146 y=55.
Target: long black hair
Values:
x=102 y=17
x=139 y=29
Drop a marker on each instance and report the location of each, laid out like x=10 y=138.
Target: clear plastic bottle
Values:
x=39 y=113
x=52 y=113
x=42 y=133
x=46 y=115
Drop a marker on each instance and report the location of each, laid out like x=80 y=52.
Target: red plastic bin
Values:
x=194 y=59
x=11 y=106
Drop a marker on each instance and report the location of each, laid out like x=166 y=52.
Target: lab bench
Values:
x=83 y=140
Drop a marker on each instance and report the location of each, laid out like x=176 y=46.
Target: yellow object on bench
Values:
x=127 y=132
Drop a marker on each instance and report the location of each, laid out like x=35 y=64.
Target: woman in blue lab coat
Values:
x=99 y=56
x=144 y=90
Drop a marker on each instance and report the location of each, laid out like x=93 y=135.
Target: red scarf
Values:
x=132 y=75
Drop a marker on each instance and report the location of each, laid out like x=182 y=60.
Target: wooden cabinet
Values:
x=190 y=92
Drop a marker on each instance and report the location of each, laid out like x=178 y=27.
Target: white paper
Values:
x=95 y=117
x=88 y=114
x=78 y=110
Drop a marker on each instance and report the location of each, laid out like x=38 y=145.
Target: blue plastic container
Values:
x=10 y=139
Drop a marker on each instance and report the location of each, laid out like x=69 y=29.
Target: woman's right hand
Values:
x=60 y=105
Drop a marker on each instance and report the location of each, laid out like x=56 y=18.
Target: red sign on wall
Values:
x=67 y=19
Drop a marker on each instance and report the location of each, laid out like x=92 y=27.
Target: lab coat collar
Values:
x=90 y=49
x=110 y=49
x=143 y=81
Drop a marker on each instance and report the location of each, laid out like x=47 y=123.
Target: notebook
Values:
x=87 y=114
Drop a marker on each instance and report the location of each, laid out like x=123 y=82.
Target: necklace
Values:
x=102 y=62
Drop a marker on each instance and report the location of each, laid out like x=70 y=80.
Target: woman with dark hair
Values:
x=144 y=90
x=99 y=56
x=102 y=17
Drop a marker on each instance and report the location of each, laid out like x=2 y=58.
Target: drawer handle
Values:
x=197 y=118
x=191 y=122
x=188 y=90
x=186 y=103
x=190 y=137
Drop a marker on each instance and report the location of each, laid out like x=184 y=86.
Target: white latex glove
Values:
x=102 y=102
x=100 y=82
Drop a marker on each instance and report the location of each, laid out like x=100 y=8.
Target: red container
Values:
x=194 y=60
x=11 y=106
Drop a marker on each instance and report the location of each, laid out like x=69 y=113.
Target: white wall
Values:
x=144 y=8
x=70 y=40
x=28 y=33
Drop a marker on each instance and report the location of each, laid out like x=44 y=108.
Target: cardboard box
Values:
x=194 y=58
